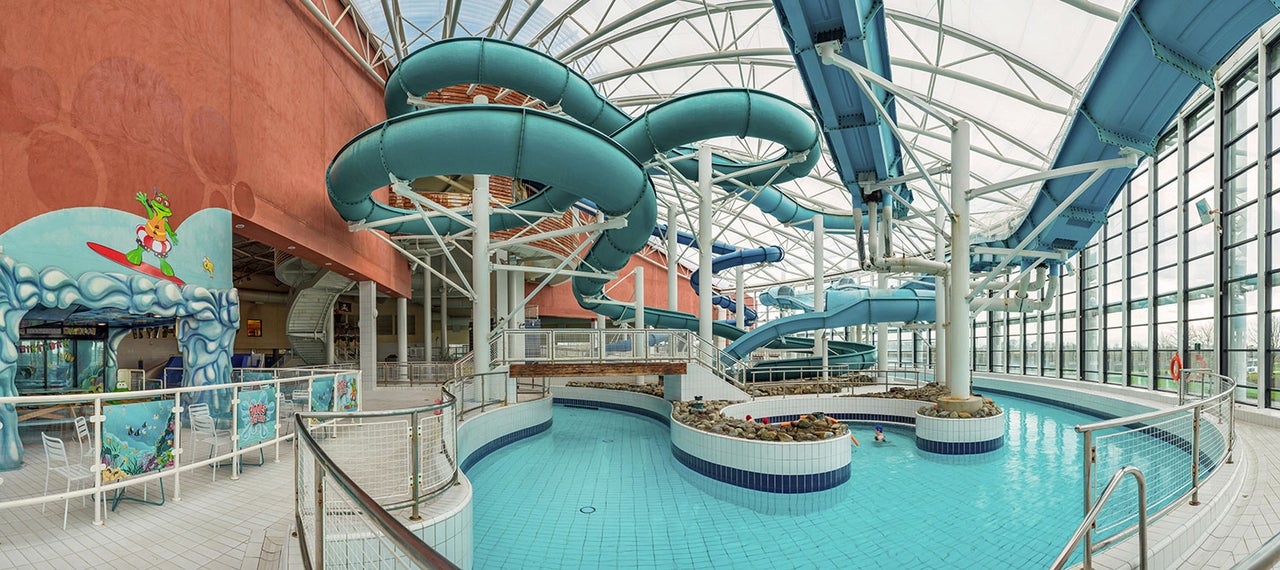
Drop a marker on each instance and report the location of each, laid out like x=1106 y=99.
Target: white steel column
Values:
x=882 y=332
x=939 y=304
x=502 y=295
x=329 y=356
x=444 y=315
x=426 y=310
x=639 y=316
x=958 y=294
x=480 y=272
x=673 y=271
x=819 y=294
x=516 y=289
x=740 y=298
x=368 y=334
x=705 y=210
x=402 y=338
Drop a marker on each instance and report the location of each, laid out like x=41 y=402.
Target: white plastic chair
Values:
x=206 y=430
x=86 y=441
x=55 y=456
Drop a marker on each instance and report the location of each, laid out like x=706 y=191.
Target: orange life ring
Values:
x=1175 y=368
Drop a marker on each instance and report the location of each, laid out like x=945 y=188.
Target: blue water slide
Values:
x=686 y=238
x=860 y=141
x=767 y=254
x=854 y=308
x=1161 y=54
x=530 y=144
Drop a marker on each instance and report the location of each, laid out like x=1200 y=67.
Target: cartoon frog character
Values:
x=155 y=235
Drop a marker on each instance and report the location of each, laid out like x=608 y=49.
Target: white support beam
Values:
x=1104 y=165
x=611 y=223
x=704 y=244
x=368 y=324
x=639 y=301
x=959 y=380
x=673 y=271
x=554 y=271
x=402 y=338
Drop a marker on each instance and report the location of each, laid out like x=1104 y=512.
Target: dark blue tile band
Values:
x=959 y=448
x=849 y=417
x=766 y=482
x=503 y=441
x=664 y=420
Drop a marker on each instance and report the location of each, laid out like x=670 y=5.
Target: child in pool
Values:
x=879 y=433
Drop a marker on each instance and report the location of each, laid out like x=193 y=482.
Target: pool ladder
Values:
x=1092 y=517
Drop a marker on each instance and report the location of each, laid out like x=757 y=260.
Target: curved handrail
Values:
x=1140 y=418
x=419 y=552
x=1262 y=558
x=1092 y=517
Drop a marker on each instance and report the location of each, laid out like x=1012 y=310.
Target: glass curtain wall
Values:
x=1176 y=267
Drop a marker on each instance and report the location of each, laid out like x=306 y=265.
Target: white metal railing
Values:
x=592 y=345
x=340 y=522
x=1092 y=517
x=232 y=406
x=1178 y=447
x=408 y=374
x=464 y=366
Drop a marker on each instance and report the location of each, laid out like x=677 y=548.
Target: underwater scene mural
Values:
x=137 y=438
x=345 y=398
x=322 y=394
x=256 y=418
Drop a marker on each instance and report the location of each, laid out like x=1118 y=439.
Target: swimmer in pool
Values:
x=879 y=433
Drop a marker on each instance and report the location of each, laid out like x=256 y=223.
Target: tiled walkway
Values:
x=225 y=524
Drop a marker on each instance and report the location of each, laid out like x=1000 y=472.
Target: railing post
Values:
x=235 y=434
x=177 y=445
x=1231 y=426
x=97 y=469
x=415 y=440
x=1088 y=498
x=1195 y=456
x=319 y=558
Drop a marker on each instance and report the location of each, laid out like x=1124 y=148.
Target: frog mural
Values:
x=156 y=235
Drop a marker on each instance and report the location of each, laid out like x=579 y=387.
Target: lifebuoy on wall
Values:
x=1175 y=368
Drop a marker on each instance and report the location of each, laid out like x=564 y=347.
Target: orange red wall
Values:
x=219 y=103
x=558 y=301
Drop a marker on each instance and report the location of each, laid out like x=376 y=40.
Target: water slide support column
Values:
x=516 y=344
x=740 y=316
x=673 y=273
x=600 y=322
x=939 y=304
x=480 y=272
x=502 y=291
x=957 y=294
x=330 y=356
x=368 y=334
x=402 y=338
x=819 y=295
x=426 y=310
x=444 y=315
x=882 y=331
x=639 y=277
x=704 y=244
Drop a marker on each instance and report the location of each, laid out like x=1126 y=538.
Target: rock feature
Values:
x=759 y=390
x=986 y=410
x=649 y=389
x=934 y=392
x=810 y=427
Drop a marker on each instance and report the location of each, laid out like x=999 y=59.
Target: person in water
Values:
x=879 y=432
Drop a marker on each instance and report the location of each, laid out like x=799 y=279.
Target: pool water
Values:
x=600 y=489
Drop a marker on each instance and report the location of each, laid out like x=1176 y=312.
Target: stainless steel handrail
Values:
x=419 y=552
x=1226 y=387
x=1262 y=558
x=1092 y=517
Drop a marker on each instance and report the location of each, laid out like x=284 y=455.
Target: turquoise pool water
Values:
x=600 y=489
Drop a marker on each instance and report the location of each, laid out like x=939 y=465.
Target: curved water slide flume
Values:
x=749 y=256
x=729 y=257
x=534 y=145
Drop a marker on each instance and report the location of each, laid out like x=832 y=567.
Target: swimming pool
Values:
x=600 y=489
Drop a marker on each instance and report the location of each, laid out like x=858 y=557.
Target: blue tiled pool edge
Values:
x=664 y=420
x=767 y=482
x=503 y=441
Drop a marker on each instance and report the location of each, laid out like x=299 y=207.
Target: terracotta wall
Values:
x=558 y=301
x=219 y=103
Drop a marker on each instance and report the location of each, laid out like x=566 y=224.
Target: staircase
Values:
x=315 y=289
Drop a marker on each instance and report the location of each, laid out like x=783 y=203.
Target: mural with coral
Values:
x=256 y=416
x=345 y=397
x=137 y=438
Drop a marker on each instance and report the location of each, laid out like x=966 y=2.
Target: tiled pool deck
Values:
x=225 y=524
